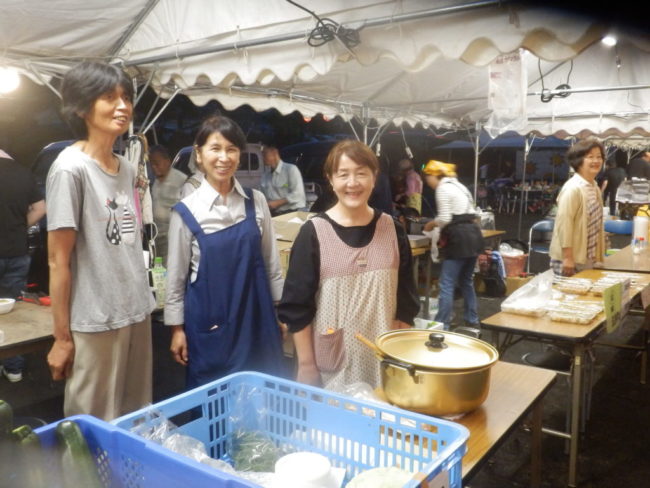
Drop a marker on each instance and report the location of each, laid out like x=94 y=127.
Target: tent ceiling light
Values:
x=9 y=80
x=609 y=41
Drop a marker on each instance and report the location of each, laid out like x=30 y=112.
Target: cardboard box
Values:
x=287 y=225
x=514 y=282
x=419 y=241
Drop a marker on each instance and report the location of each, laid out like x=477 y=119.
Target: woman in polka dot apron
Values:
x=350 y=272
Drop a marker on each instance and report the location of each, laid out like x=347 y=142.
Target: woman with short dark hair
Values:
x=578 y=233
x=223 y=268
x=350 y=271
x=101 y=301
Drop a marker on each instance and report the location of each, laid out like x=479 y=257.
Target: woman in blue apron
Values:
x=223 y=273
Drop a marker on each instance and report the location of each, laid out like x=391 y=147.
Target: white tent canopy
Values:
x=417 y=61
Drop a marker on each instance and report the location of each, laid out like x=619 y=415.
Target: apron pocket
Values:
x=329 y=350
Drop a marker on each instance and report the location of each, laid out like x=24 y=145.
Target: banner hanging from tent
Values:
x=507 y=83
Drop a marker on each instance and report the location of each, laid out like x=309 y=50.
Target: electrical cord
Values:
x=327 y=30
x=547 y=96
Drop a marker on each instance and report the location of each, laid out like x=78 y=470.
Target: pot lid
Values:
x=437 y=350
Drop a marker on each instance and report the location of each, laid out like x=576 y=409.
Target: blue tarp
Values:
x=508 y=141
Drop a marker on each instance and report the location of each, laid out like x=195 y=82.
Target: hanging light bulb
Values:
x=9 y=80
x=609 y=40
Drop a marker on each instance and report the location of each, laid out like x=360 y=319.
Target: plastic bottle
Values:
x=158 y=276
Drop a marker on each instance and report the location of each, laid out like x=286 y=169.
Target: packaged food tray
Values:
x=573 y=286
x=125 y=460
x=575 y=312
x=353 y=434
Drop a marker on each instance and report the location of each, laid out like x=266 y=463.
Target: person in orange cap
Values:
x=460 y=241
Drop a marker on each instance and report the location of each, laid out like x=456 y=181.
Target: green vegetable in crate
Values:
x=6 y=419
x=6 y=450
x=79 y=469
x=253 y=451
x=29 y=465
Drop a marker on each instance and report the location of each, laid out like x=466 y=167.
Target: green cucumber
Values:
x=6 y=419
x=29 y=455
x=6 y=447
x=79 y=468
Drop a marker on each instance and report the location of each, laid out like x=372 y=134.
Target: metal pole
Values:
x=161 y=111
x=477 y=142
x=527 y=145
x=394 y=19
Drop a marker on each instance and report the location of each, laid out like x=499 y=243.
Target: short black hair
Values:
x=160 y=149
x=576 y=153
x=83 y=85
x=227 y=127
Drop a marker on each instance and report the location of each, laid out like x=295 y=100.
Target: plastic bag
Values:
x=157 y=428
x=434 y=235
x=249 y=446
x=532 y=298
x=361 y=391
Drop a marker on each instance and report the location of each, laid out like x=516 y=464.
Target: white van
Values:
x=251 y=165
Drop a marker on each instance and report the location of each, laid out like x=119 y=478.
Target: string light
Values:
x=9 y=80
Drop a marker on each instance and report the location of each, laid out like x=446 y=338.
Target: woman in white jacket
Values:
x=578 y=234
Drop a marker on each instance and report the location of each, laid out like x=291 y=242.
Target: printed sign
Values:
x=612 y=299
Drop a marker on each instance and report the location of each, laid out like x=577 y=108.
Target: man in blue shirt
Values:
x=282 y=186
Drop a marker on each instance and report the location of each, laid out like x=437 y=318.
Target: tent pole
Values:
x=169 y=100
x=128 y=33
x=476 y=155
x=527 y=145
x=390 y=20
x=353 y=129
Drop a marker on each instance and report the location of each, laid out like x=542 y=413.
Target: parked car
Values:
x=249 y=173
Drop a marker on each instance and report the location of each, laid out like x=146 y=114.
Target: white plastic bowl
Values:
x=6 y=305
x=305 y=470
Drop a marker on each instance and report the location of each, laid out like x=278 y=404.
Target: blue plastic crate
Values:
x=125 y=460
x=352 y=434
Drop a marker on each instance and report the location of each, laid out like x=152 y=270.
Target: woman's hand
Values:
x=284 y=330
x=60 y=359
x=309 y=375
x=568 y=267
x=178 y=346
x=428 y=227
x=398 y=324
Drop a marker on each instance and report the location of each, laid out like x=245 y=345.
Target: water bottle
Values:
x=158 y=276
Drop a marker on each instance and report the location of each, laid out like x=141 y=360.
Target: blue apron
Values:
x=230 y=321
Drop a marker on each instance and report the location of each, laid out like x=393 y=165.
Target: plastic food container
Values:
x=6 y=305
x=573 y=286
x=575 y=312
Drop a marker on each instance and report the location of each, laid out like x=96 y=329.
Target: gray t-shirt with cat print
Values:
x=110 y=287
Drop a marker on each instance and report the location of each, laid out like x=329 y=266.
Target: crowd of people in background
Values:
x=227 y=303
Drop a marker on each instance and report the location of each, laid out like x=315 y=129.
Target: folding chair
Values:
x=545 y=228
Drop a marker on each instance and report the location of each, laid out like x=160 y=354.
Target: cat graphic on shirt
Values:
x=114 y=233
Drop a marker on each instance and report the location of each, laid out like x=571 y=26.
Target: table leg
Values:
x=646 y=345
x=576 y=408
x=427 y=282
x=536 y=446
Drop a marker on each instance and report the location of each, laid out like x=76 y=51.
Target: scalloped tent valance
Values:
x=418 y=61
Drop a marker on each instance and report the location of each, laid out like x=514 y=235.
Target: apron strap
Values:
x=249 y=204
x=189 y=219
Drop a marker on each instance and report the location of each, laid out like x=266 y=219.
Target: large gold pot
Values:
x=439 y=373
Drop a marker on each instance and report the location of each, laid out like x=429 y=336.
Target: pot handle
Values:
x=399 y=364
